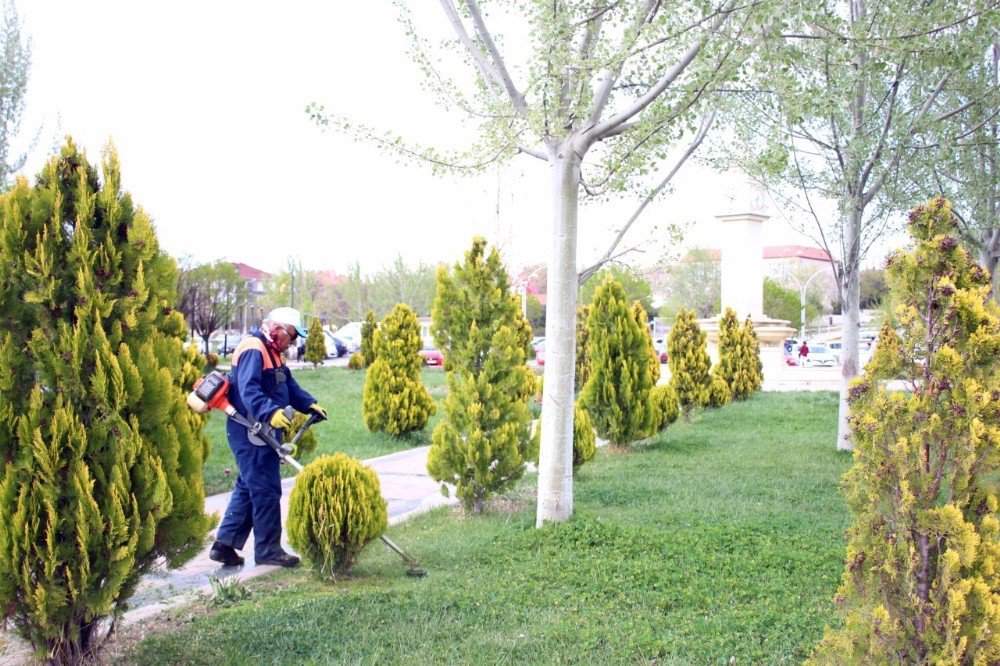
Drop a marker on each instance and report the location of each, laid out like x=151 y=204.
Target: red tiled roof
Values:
x=793 y=251
x=330 y=277
x=774 y=252
x=251 y=273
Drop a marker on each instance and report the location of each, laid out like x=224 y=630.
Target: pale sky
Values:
x=205 y=103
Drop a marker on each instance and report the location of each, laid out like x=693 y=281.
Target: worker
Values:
x=261 y=387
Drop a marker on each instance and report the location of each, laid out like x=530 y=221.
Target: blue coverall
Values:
x=256 y=391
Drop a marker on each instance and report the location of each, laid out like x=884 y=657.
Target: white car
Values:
x=820 y=355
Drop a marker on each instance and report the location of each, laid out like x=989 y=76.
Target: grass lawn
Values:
x=721 y=539
x=339 y=391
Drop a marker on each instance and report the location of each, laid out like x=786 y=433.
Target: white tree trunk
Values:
x=851 y=316
x=555 y=459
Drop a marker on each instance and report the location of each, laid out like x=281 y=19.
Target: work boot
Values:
x=282 y=559
x=226 y=554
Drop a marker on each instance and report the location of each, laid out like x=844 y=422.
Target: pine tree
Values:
x=920 y=585
x=689 y=363
x=315 y=343
x=368 y=328
x=103 y=457
x=617 y=393
x=751 y=347
x=481 y=443
x=736 y=366
x=395 y=400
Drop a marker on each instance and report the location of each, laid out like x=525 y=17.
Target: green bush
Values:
x=480 y=444
x=368 y=328
x=718 y=392
x=584 y=438
x=211 y=360
x=664 y=399
x=315 y=343
x=921 y=584
x=101 y=479
x=737 y=364
x=395 y=400
x=621 y=376
x=334 y=510
x=356 y=362
x=689 y=363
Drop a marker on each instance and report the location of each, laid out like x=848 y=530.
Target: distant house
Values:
x=253 y=311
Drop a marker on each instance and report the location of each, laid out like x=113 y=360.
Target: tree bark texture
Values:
x=555 y=459
x=850 y=310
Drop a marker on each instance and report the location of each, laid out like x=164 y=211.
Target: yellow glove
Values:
x=280 y=421
x=319 y=411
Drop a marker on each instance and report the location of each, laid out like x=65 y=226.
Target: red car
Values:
x=432 y=355
x=540 y=353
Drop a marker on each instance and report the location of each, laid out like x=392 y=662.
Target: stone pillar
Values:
x=742 y=244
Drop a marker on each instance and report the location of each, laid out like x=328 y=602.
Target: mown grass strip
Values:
x=721 y=539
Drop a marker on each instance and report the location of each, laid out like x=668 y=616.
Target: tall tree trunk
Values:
x=851 y=312
x=555 y=459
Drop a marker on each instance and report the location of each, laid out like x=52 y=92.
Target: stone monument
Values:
x=742 y=265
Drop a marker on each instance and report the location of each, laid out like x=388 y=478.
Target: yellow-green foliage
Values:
x=582 y=346
x=718 y=392
x=395 y=400
x=356 y=362
x=664 y=399
x=737 y=365
x=334 y=510
x=211 y=360
x=639 y=313
x=584 y=438
x=315 y=342
x=481 y=443
x=751 y=347
x=368 y=328
x=922 y=579
x=102 y=458
x=621 y=374
x=307 y=442
x=689 y=363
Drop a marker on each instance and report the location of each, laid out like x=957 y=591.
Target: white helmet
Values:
x=288 y=316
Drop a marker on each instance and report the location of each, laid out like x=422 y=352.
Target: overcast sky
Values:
x=205 y=103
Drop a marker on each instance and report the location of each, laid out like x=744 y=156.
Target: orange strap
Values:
x=253 y=342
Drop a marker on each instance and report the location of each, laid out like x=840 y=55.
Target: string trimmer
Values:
x=210 y=392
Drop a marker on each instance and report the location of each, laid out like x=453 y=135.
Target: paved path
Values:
x=405 y=485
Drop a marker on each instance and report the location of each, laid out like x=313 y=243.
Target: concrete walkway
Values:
x=406 y=487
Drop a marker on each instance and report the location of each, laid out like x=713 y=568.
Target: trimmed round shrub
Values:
x=719 y=394
x=665 y=401
x=211 y=360
x=356 y=362
x=334 y=510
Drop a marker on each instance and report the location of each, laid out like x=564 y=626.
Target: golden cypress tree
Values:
x=751 y=348
x=395 y=400
x=735 y=367
x=582 y=347
x=621 y=377
x=921 y=583
x=481 y=444
x=689 y=363
x=102 y=474
x=368 y=328
x=315 y=343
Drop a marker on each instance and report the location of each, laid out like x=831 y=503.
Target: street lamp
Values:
x=802 y=293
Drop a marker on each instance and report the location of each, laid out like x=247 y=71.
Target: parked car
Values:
x=432 y=355
x=540 y=353
x=791 y=357
x=350 y=335
x=820 y=355
x=227 y=348
x=537 y=340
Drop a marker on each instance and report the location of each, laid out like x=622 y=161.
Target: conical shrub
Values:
x=395 y=400
x=481 y=443
x=334 y=510
x=102 y=475
x=689 y=363
x=315 y=342
x=368 y=328
x=617 y=393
